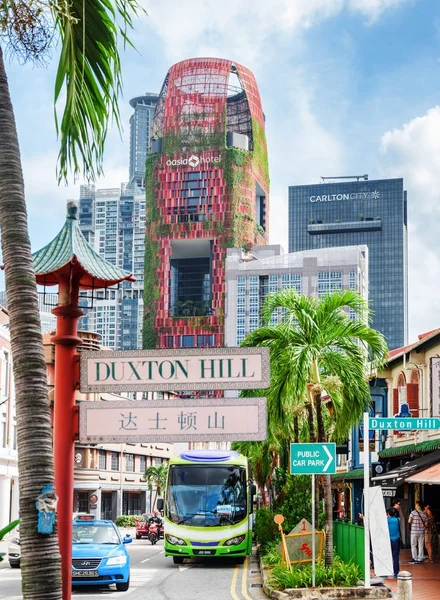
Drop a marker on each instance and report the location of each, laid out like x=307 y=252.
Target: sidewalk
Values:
x=426 y=578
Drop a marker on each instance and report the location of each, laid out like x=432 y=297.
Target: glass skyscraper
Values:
x=350 y=213
x=140 y=136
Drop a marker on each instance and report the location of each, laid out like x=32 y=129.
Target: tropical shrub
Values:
x=265 y=529
x=127 y=520
x=339 y=574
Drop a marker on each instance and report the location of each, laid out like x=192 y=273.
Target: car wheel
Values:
x=178 y=560
x=138 y=537
x=14 y=565
x=123 y=587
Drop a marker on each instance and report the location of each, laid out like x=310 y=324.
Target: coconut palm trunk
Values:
x=41 y=567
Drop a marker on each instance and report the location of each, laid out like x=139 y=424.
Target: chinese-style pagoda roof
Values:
x=69 y=254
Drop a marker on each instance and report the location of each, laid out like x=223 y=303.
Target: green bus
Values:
x=208 y=506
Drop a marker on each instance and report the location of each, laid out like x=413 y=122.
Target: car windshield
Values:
x=95 y=533
x=206 y=496
x=145 y=518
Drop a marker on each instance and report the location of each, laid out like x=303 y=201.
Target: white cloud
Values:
x=373 y=9
x=413 y=152
x=240 y=29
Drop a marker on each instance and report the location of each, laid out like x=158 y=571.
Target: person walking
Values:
x=417 y=520
x=430 y=529
x=396 y=503
x=393 y=522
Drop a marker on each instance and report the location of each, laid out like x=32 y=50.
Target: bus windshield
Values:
x=205 y=495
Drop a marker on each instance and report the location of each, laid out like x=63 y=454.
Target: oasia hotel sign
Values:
x=193 y=161
x=374 y=195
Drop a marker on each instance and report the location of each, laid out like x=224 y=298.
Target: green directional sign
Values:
x=312 y=459
x=404 y=423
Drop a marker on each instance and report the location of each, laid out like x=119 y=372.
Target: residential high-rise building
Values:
x=113 y=222
x=140 y=136
x=251 y=276
x=46 y=302
x=206 y=190
x=349 y=213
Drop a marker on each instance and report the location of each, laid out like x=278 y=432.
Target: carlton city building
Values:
x=207 y=186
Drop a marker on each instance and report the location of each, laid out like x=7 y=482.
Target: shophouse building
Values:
x=371 y=213
x=8 y=429
x=206 y=190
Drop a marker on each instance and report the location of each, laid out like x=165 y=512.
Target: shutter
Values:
x=395 y=401
x=412 y=397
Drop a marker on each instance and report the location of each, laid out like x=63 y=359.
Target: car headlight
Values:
x=117 y=560
x=235 y=540
x=172 y=539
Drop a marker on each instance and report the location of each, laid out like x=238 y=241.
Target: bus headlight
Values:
x=235 y=540
x=172 y=539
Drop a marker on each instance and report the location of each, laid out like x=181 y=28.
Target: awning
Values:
x=396 y=477
x=430 y=476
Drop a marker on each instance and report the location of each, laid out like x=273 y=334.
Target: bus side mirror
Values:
x=159 y=504
x=253 y=490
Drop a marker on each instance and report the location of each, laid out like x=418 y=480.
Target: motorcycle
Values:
x=153 y=533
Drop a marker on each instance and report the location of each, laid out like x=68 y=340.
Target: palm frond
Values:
x=90 y=72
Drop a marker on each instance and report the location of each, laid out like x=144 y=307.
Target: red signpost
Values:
x=71 y=263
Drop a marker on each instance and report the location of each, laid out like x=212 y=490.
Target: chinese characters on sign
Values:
x=173 y=420
x=176 y=370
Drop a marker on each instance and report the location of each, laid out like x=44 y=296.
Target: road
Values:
x=154 y=576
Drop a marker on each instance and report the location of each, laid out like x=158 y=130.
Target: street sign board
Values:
x=404 y=423
x=174 y=370
x=222 y=420
x=312 y=459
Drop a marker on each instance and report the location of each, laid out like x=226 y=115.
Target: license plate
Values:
x=204 y=552
x=85 y=574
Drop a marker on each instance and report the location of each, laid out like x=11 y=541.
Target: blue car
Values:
x=99 y=555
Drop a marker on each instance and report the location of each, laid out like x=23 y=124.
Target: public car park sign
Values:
x=174 y=370
x=312 y=459
x=227 y=419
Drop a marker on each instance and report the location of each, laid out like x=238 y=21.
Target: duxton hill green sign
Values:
x=168 y=370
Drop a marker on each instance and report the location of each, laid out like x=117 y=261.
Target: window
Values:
x=186 y=341
x=115 y=461
x=129 y=463
x=103 y=460
x=142 y=464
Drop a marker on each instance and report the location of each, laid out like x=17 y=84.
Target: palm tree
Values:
x=317 y=353
x=89 y=78
x=157 y=477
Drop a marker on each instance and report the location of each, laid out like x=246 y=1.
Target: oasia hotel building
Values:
x=206 y=190
x=350 y=213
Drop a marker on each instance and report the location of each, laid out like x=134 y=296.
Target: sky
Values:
x=348 y=87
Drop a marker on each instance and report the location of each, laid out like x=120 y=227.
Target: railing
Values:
x=348 y=541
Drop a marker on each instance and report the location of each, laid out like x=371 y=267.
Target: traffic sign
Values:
x=174 y=370
x=312 y=459
x=404 y=423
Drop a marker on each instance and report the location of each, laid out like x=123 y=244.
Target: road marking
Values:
x=145 y=560
x=185 y=568
x=244 y=580
x=234 y=583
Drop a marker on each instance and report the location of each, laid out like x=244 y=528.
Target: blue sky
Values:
x=348 y=87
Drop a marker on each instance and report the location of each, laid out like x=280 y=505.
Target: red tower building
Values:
x=207 y=186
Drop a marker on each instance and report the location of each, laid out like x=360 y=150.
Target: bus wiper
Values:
x=187 y=518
